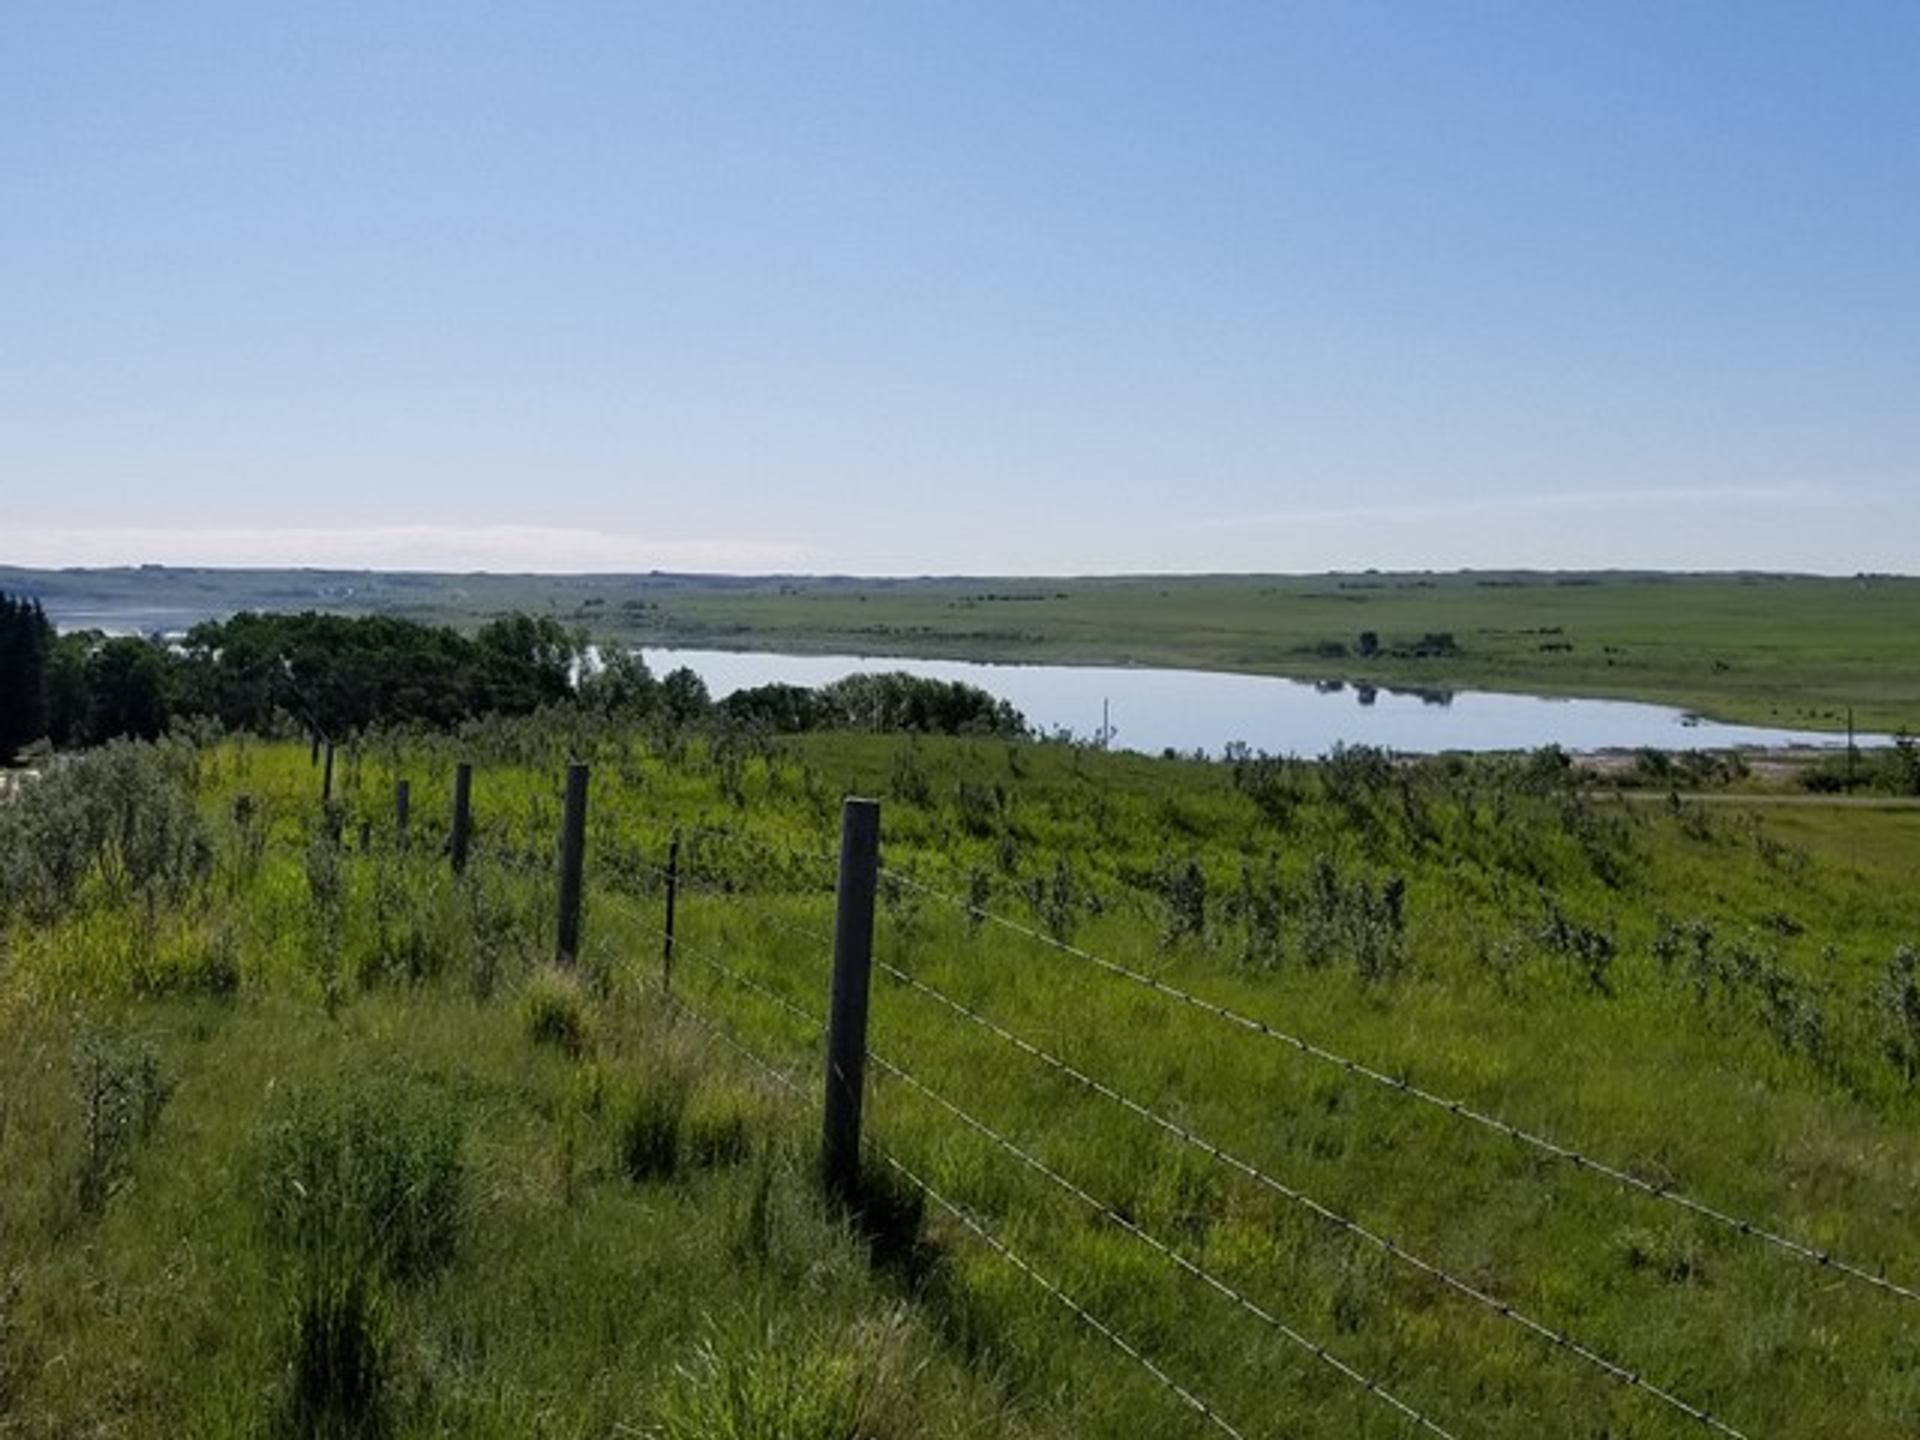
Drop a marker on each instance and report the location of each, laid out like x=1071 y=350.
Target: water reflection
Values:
x=1187 y=710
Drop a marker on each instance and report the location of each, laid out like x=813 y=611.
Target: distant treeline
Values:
x=335 y=675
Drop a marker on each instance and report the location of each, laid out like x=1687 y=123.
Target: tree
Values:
x=26 y=640
x=69 y=697
x=620 y=684
x=535 y=659
x=127 y=690
x=783 y=709
x=685 y=696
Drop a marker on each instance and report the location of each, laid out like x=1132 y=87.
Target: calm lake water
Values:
x=1186 y=710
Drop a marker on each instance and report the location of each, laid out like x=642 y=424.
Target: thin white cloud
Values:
x=1534 y=502
x=397 y=547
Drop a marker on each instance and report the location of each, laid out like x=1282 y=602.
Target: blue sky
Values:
x=913 y=287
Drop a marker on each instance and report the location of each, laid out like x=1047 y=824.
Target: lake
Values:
x=1186 y=710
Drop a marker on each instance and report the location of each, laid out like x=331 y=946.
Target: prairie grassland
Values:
x=304 y=1136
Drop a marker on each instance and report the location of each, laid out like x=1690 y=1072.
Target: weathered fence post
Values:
x=573 y=854
x=673 y=891
x=326 y=775
x=402 y=812
x=462 y=816
x=847 y=1009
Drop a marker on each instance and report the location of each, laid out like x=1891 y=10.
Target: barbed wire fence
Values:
x=634 y=882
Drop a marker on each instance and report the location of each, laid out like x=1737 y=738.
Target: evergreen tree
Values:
x=26 y=640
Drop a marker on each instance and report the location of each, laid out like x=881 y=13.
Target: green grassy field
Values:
x=298 y=1137
x=1789 y=650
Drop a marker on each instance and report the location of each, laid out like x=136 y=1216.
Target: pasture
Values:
x=300 y=1133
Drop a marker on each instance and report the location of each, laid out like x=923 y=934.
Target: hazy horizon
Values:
x=939 y=575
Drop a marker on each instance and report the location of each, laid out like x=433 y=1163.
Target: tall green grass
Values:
x=406 y=1179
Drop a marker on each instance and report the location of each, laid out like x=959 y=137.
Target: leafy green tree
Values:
x=620 y=684
x=537 y=658
x=898 y=701
x=127 y=690
x=684 y=695
x=783 y=709
x=344 y=673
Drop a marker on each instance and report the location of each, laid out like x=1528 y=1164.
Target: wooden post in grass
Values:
x=673 y=890
x=462 y=816
x=847 y=1007
x=313 y=755
x=573 y=855
x=402 y=812
x=326 y=776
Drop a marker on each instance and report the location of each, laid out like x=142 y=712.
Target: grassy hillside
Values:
x=1787 y=650
x=302 y=1137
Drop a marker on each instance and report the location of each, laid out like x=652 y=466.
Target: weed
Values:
x=719 y=1126
x=341 y=1343
x=1675 y=1255
x=554 y=1009
x=121 y=1097
x=770 y=1384
x=363 y=1170
x=649 y=1124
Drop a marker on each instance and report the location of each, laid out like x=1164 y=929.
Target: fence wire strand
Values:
x=726 y=1037
x=701 y=955
x=1086 y=1317
x=723 y=1034
x=1826 y=1259
x=1393 y=1249
x=1164 y=1250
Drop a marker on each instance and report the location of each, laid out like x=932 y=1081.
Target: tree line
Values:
x=334 y=675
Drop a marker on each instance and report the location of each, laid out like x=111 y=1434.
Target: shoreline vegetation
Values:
x=330 y=676
x=1789 y=650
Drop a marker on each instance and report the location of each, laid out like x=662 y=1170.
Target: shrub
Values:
x=1183 y=895
x=1589 y=948
x=1900 y=1003
x=1258 y=905
x=122 y=817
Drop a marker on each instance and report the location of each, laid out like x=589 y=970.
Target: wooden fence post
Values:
x=847 y=1008
x=462 y=816
x=673 y=891
x=326 y=776
x=573 y=854
x=402 y=812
